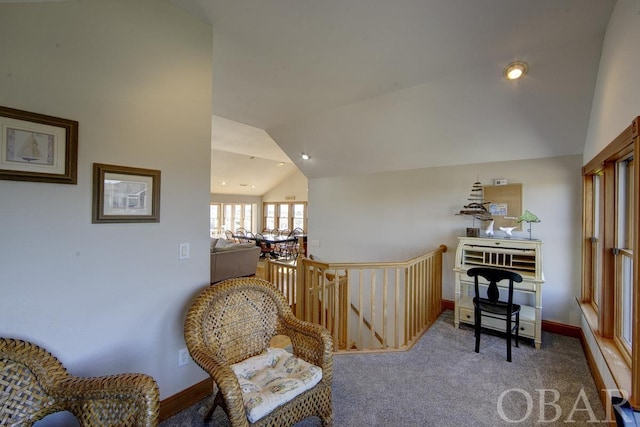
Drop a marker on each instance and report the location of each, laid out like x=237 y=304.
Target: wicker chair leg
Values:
x=217 y=401
x=327 y=421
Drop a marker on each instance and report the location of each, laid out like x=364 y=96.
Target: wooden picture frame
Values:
x=125 y=194
x=37 y=147
x=504 y=204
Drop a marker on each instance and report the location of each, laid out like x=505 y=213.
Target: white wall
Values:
x=295 y=184
x=394 y=216
x=108 y=298
x=616 y=101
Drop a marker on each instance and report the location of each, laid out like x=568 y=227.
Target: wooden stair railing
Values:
x=367 y=323
x=372 y=307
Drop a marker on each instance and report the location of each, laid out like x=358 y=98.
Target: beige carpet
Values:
x=442 y=382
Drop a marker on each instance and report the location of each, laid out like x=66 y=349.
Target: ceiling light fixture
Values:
x=515 y=70
x=305 y=156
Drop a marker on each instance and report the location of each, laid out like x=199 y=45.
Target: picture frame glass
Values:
x=32 y=149
x=127 y=194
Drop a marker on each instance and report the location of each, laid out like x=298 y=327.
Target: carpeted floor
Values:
x=443 y=382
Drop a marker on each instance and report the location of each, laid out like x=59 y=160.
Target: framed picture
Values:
x=35 y=147
x=125 y=194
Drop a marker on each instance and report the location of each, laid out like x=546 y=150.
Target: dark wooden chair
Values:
x=492 y=307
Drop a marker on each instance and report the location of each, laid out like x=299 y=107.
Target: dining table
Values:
x=271 y=239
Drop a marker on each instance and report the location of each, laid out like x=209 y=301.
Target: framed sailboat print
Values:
x=37 y=147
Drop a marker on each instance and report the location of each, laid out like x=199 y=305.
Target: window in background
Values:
x=247 y=217
x=269 y=216
x=285 y=216
x=237 y=217
x=227 y=217
x=230 y=216
x=299 y=215
x=215 y=223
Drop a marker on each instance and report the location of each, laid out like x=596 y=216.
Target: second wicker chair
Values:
x=34 y=384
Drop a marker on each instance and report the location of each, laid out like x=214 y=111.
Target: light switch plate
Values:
x=183 y=252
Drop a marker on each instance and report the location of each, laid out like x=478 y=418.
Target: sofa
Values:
x=230 y=259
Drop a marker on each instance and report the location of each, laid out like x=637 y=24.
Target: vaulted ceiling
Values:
x=366 y=86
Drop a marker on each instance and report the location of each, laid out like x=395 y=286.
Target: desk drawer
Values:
x=527 y=329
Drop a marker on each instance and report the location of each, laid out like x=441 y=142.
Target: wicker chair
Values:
x=236 y=319
x=34 y=384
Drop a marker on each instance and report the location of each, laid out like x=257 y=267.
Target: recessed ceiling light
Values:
x=515 y=70
x=224 y=182
x=305 y=156
x=281 y=164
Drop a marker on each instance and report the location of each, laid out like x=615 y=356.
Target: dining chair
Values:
x=265 y=248
x=281 y=247
x=292 y=245
x=240 y=235
x=491 y=306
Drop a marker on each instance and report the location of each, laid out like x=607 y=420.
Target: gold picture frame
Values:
x=37 y=147
x=125 y=194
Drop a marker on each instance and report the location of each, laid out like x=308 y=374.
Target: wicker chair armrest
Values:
x=310 y=342
x=227 y=383
x=114 y=400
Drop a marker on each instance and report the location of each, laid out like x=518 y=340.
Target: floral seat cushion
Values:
x=271 y=379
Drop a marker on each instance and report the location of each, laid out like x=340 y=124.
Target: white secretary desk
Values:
x=522 y=256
